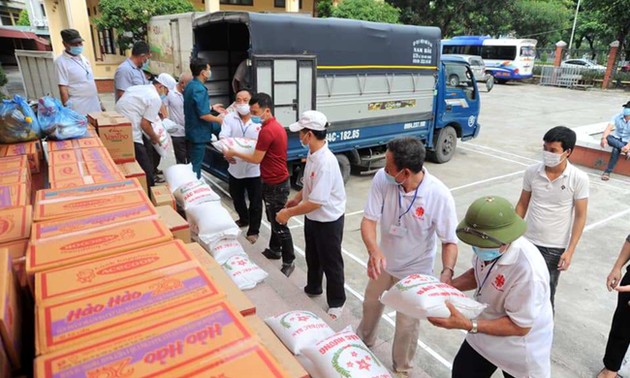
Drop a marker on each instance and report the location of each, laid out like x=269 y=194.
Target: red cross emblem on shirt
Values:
x=419 y=212
x=499 y=281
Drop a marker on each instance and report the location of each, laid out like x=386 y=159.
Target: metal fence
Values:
x=568 y=77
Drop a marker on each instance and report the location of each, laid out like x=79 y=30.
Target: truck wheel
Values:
x=444 y=145
x=344 y=166
x=501 y=81
x=453 y=80
x=490 y=83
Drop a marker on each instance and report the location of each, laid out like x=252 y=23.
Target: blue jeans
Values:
x=617 y=144
x=552 y=258
x=196 y=153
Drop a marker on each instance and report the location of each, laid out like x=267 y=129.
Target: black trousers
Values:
x=253 y=215
x=470 y=364
x=179 y=146
x=619 y=337
x=281 y=242
x=145 y=161
x=323 y=256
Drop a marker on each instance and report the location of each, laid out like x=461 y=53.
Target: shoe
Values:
x=287 y=269
x=252 y=238
x=311 y=293
x=241 y=223
x=335 y=312
x=271 y=255
x=159 y=180
x=158 y=172
x=605 y=176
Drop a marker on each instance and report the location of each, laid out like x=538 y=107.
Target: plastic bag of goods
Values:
x=242 y=145
x=211 y=222
x=59 y=122
x=18 y=122
x=245 y=274
x=165 y=144
x=299 y=329
x=343 y=355
x=421 y=296
x=179 y=174
x=194 y=193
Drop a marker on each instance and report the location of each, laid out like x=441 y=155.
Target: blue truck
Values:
x=374 y=82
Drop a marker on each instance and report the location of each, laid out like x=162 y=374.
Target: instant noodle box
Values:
x=13 y=162
x=54 y=285
x=137 y=302
x=10 y=315
x=71 y=183
x=116 y=133
x=67 y=171
x=134 y=170
x=178 y=226
x=12 y=195
x=161 y=196
x=166 y=348
x=32 y=150
x=55 y=253
x=14 y=175
x=15 y=223
x=49 y=195
x=73 y=206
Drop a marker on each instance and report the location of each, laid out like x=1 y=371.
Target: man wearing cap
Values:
x=619 y=140
x=142 y=104
x=130 y=72
x=514 y=333
x=76 y=79
x=414 y=210
x=323 y=202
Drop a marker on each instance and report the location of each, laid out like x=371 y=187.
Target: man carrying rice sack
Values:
x=413 y=207
x=514 y=333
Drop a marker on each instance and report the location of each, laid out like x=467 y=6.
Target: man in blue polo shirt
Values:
x=200 y=123
x=619 y=139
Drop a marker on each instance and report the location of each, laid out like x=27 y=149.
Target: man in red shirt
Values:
x=271 y=154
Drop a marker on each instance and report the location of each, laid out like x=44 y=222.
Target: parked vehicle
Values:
x=625 y=67
x=505 y=58
x=374 y=82
x=478 y=68
x=583 y=63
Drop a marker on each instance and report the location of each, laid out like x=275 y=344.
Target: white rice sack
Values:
x=245 y=274
x=299 y=329
x=170 y=126
x=225 y=249
x=211 y=222
x=165 y=139
x=242 y=145
x=343 y=355
x=179 y=174
x=421 y=296
x=194 y=193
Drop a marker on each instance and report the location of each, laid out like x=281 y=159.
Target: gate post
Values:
x=559 y=47
x=610 y=67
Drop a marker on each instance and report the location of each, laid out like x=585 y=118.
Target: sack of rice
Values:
x=299 y=329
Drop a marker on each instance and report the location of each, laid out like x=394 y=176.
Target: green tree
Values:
x=324 y=8
x=367 y=10
x=614 y=15
x=24 y=20
x=130 y=17
x=546 y=20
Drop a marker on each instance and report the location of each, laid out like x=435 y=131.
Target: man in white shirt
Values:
x=244 y=176
x=323 y=202
x=129 y=72
x=515 y=332
x=413 y=207
x=141 y=104
x=76 y=79
x=175 y=105
x=553 y=202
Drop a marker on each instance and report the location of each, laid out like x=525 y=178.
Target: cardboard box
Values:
x=90 y=245
x=161 y=196
x=10 y=314
x=59 y=145
x=178 y=226
x=133 y=303
x=276 y=348
x=98 y=274
x=12 y=195
x=76 y=206
x=134 y=170
x=96 y=154
x=70 y=156
x=12 y=162
x=88 y=142
x=234 y=295
x=15 y=223
x=32 y=151
x=94 y=117
x=101 y=168
x=192 y=335
x=103 y=179
x=14 y=175
x=71 y=183
x=251 y=361
x=49 y=195
x=117 y=136
x=70 y=171
x=16 y=248
x=5 y=365
x=60 y=228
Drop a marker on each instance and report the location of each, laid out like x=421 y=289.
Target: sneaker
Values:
x=252 y=238
x=241 y=223
x=159 y=180
x=271 y=255
x=605 y=176
x=287 y=269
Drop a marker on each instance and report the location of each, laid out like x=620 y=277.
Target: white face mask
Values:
x=242 y=109
x=551 y=159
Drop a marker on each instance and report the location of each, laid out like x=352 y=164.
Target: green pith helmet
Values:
x=489 y=222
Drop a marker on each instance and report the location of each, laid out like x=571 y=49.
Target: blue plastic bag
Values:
x=17 y=121
x=59 y=122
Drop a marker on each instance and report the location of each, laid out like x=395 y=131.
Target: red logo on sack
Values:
x=499 y=281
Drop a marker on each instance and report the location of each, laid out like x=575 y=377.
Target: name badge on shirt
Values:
x=397 y=230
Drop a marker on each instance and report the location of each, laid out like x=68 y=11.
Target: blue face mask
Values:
x=487 y=254
x=304 y=145
x=626 y=112
x=392 y=179
x=256 y=119
x=162 y=97
x=76 y=50
x=145 y=66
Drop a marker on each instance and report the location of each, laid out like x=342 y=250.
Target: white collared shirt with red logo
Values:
x=431 y=215
x=516 y=286
x=323 y=185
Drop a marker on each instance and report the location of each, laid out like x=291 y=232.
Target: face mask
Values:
x=552 y=160
x=487 y=254
x=256 y=119
x=145 y=65
x=392 y=179
x=305 y=145
x=76 y=50
x=242 y=109
x=162 y=97
x=626 y=112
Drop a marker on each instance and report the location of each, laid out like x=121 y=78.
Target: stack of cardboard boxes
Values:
x=117 y=289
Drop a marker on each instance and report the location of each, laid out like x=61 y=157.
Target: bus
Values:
x=505 y=58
